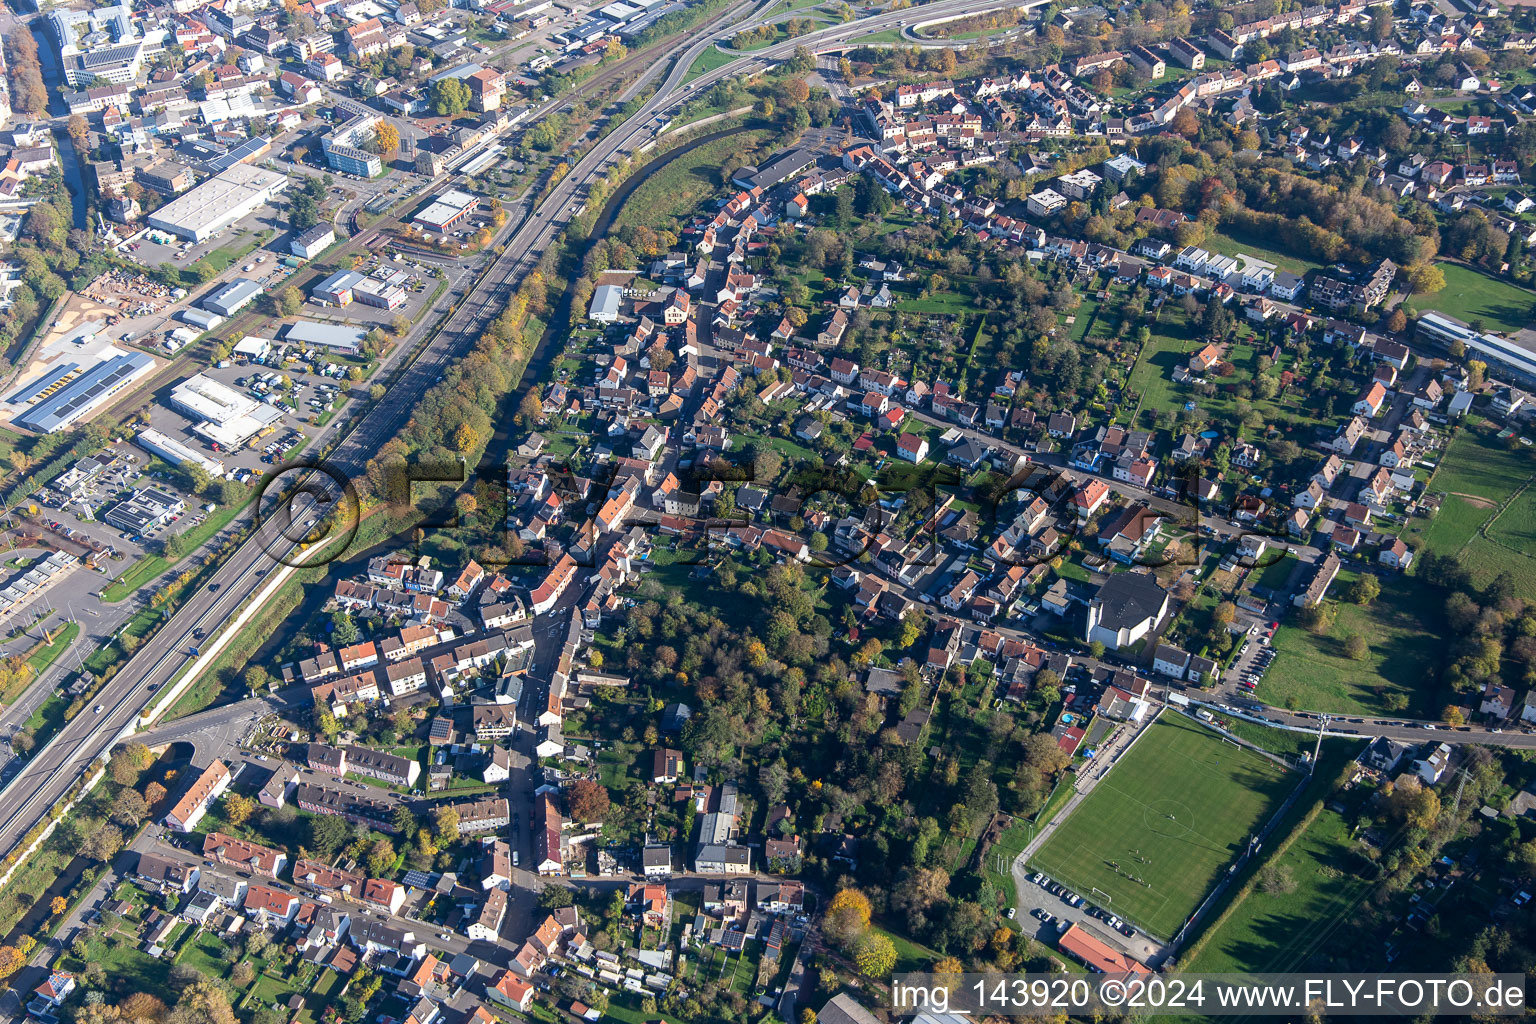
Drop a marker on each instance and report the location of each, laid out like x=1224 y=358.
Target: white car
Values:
x=97 y=709
x=1012 y=913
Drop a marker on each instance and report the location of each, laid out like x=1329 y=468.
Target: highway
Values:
x=53 y=770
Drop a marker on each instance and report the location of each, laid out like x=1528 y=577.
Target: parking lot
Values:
x=73 y=524
x=75 y=516
x=1038 y=901
x=418 y=289
x=302 y=403
x=1254 y=657
x=157 y=248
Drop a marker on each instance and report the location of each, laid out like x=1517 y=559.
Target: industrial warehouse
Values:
x=232 y=297
x=338 y=337
x=219 y=202
x=345 y=286
x=221 y=414
x=445 y=211
x=70 y=385
x=173 y=451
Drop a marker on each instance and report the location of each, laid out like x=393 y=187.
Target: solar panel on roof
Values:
x=80 y=394
x=42 y=383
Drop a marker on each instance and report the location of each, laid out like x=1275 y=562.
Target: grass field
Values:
x=1472 y=295
x=222 y=258
x=1516 y=525
x=1281 y=742
x=1008 y=846
x=910 y=955
x=1183 y=801
x=1231 y=245
x=1486 y=560
x=1481 y=466
x=1454 y=526
x=39 y=658
x=1402 y=634
x=677 y=187
x=1276 y=574
x=1477 y=474
x=1171 y=344
x=1175 y=337
x=709 y=60
x=1275 y=931
x=45 y=654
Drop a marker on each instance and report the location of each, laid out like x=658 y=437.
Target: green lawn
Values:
x=47 y=719
x=781 y=32
x=975 y=33
x=1478 y=475
x=1282 y=742
x=1479 y=465
x=624 y=1007
x=1171 y=343
x=1008 y=846
x=1516 y=525
x=9 y=439
x=1486 y=559
x=910 y=955
x=1454 y=525
x=128 y=970
x=1473 y=295
x=911 y=300
x=1176 y=335
x=1275 y=931
x=222 y=258
x=709 y=60
x=1275 y=574
x=1401 y=629
x=1231 y=245
x=1159 y=831
x=676 y=188
x=209 y=954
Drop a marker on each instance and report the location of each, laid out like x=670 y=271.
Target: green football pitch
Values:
x=1157 y=833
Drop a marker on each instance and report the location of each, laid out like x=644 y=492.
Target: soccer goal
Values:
x=1100 y=896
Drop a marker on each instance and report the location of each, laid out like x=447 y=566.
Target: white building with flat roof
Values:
x=1045 y=202
x=174 y=452
x=219 y=202
x=446 y=211
x=221 y=414
x=335 y=336
x=232 y=297
x=313 y=242
x=252 y=347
